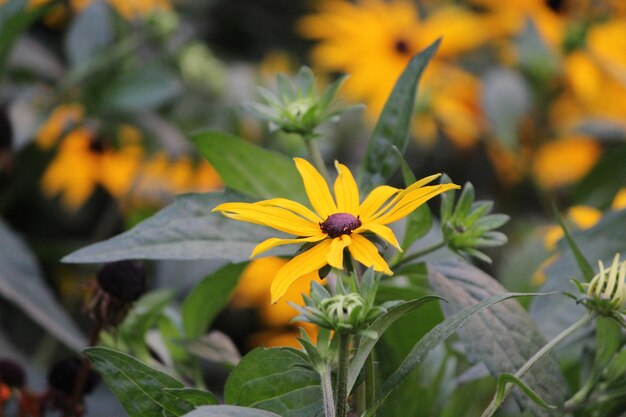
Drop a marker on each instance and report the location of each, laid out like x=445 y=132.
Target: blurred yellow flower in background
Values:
x=373 y=40
x=583 y=217
x=60 y=121
x=253 y=291
x=564 y=161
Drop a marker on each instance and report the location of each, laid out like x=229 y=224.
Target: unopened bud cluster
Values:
x=469 y=224
x=297 y=110
x=344 y=313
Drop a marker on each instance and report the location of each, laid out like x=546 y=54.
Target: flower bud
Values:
x=125 y=280
x=62 y=376
x=607 y=289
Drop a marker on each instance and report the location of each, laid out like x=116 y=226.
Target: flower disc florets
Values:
x=340 y=224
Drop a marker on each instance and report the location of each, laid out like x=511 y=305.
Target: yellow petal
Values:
x=274 y=241
x=275 y=217
x=412 y=201
x=382 y=231
x=410 y=189
x=335 y=255
x=346 y=190
x=305 y=263
x=293 y=206
x=316 y=188
x=375 y=200
x=365 y=252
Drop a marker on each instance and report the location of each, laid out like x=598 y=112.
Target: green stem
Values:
x=327 y=392
x=316 y=156
x=418 y=254
x=545 y=350
x=370 y=381
x=342 y=375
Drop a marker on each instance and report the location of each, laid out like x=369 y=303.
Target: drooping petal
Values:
x=413 y=200
x=410 y=189
x=305 y=263
x=382 y=231
x=316 y=188
x=335 y=254
x=346 y=191
x=365 y=252
x=293 y=206
x=274 y=242
x=275 y=217
x=374 y=200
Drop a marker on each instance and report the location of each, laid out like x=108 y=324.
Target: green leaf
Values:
x=504 y=337
x=392 y=129
x=600 y=242
x=379 y=326
x=142 y=89
x=583 y=263
x=438 y=334
x=277 y=380
x=608 y=342
x=250 y=169
x=209 y=297
x=22 y=284
x=140 y=319
x=90 y=32
x=229 y=411
x=506 y=378
x=185 y=230
x=139 y=388
x=193 y=396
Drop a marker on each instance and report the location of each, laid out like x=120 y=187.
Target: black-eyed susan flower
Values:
x=334 y=224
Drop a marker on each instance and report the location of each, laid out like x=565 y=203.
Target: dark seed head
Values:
x=12 y=373
x=401 y=46
x=340 y=224
x=62 y=376
x=125 y=280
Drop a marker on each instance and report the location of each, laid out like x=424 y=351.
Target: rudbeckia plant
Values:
x=368 y=246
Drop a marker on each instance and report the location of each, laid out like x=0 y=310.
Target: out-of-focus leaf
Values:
x=143 y=89
x=22 y=284
x=139 y=388
x=184 y=230
x=15 y=18
x=379 y=326
x=506 y=378
x=215 y=347
x=90 y=32
x=505 y=100
x=504 y=337
x=140 y=319
x=275 y=380
x=392 y=129
x=599 y=243
x=583 y=264
x=229 y=411
x=208 y=297
x=250 y=169
x=598 y=188
x=438 y=334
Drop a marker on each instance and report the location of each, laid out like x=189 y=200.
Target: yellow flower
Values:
x=373 y=41
x=128 y=9
x=583 y=217
x=335 y=224
x=619 y=201
x=62 y=119
x=565 y=161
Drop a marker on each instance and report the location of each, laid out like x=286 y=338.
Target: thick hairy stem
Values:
x=342 y=375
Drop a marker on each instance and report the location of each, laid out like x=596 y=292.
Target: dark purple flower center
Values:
x=401 y=46
x=340 y=224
